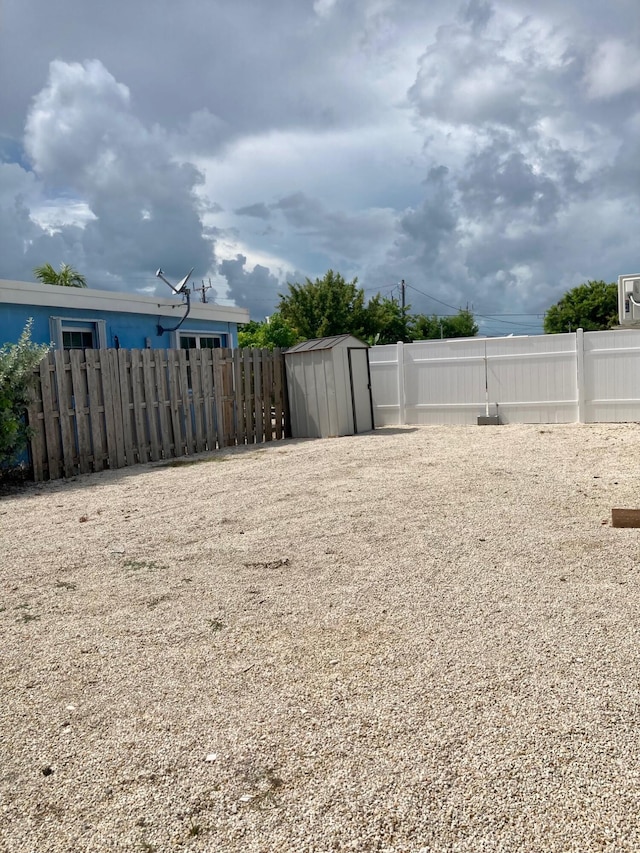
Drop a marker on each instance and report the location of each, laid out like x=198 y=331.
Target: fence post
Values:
x=580 y=379
x=401 y=399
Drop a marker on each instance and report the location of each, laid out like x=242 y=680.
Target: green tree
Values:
x=386 y=322
x=326 y=306
x=460 y=325
x=66 y=276
x=17 y=363
x=592 y=306
x=274 y=332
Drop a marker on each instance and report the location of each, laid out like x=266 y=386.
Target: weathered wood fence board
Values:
x=112 y=408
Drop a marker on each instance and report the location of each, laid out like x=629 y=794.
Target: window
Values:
x=78 y=338
x=196 y=341
x=200 y=341
x=78 y=333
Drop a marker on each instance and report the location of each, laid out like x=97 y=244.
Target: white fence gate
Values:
x=588 y=377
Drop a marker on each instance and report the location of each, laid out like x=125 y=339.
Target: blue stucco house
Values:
x=84 y=318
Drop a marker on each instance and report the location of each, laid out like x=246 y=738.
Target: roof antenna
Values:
x=182 y=290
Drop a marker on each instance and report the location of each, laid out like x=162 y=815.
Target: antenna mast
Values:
x=202 y=290
x=181 y=289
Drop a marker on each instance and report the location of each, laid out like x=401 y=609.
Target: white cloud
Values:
x=54 y=213
x=140 y=210
x=613 y=70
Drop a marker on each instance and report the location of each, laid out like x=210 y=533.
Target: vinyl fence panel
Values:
x=533 y=379
x=583 y=376
x=612 y=376
x=445 y=381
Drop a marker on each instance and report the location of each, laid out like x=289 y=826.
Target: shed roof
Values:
x=328 y=343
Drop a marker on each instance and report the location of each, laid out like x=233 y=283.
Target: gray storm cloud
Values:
x=255 y=289
x=487 y=153
x=83 y=139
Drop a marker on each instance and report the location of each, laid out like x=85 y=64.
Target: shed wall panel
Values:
x=343 y=402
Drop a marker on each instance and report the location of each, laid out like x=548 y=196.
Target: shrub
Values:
x=17 y=364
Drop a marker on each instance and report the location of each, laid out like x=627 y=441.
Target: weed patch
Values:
x=181 y=463
x=140 y=565
x=156 y=600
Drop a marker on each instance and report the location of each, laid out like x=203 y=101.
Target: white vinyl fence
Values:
x=585 y=377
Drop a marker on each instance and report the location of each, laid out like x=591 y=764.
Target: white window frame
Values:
x=58 y=325
x=223 y=336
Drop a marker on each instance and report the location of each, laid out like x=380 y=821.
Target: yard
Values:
x=411 y=640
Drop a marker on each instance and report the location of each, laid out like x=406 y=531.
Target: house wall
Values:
x=133 y=319
x=586 y=377
x=132 y=330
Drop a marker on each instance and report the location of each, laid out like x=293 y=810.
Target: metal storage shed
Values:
x=329 y=387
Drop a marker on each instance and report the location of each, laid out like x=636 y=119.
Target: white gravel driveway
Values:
x=413 y=640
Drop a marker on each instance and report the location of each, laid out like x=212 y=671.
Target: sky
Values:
x=486 y=153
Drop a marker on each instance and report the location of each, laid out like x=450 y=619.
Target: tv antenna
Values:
x=181 y=286
x=182 y=290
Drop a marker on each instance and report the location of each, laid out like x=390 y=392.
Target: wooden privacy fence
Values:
x=97 y=409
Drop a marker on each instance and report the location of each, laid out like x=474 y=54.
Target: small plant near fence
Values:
x=17 y=365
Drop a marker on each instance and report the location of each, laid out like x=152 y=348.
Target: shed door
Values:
x=360 y=389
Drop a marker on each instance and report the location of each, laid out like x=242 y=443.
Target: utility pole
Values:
x=203 y=290
x=402 y=294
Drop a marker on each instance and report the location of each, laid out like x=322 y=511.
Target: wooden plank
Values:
x=96 y=410
x=117 y=458
x=625 y=517
x=249 y=409
x=218 y=390
x=139 y=414
x=185 y=394
x=257 y=394
x=108 y=393
x=173 y=381
x=65 y=410
x=195 y=363
x=241 y=433
x=267 y=392
x=80 y=402
x=160 y=358
x=228 y=398
x=126 y=405
x=118 y=413
x=50 y=415
x=208 y=399
x=35 y=419
x=150 y=403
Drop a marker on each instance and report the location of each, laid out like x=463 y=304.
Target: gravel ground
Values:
x=413 y=640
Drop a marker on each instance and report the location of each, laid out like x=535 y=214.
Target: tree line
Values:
x=332 y=306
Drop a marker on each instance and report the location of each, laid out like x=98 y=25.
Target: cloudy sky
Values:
x=488 y=153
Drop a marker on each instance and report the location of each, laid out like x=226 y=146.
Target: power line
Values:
x=492 y=317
